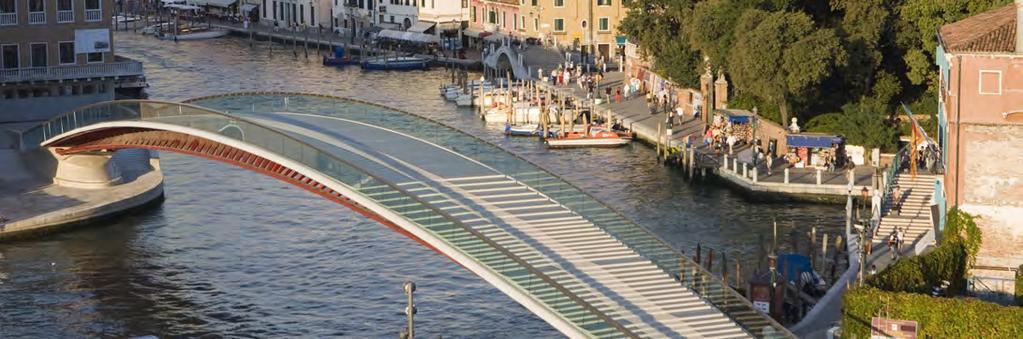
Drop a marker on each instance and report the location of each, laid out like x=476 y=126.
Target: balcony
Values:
x=68 y=72
x=36 y=18
x=8 y=19
x=93 y=15
x=65 y=16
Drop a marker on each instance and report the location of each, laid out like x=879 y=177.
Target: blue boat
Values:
x=405 y=63
x=339 y=59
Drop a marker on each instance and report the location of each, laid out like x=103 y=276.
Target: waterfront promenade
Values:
x=636 y=114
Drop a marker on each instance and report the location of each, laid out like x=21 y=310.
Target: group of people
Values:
x=723 y=133
x=896 y=242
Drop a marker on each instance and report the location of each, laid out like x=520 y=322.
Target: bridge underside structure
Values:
x=569 y=259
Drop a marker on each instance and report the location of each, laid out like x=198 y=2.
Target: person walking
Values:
x=900 y=238
x=770 y=163
x=892 y=240
x=897 y=199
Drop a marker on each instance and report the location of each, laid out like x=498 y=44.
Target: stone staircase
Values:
x=915 y=216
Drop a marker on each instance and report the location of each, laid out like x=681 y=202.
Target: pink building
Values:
x=981 y=133
x=497 y=18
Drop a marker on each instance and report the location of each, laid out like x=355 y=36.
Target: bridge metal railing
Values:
x=515 y=270
x=690 y=274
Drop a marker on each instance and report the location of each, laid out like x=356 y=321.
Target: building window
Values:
x=65 y=11
x=312 y=16
x=263 y=9
x=93 y=10
x=522 y=23
x=66 y=50
x=536 y=24
x=492 y=17
x=38 y=53
x=392 y=19
x=534 y=3
x=990 y=83
x=94 y=57
x=301 y=13
x=559 y=3
x=8 y=12
x=559 y=25
x=10 y=56
x=603 y=24
x=472 y=14
x=603 y=2
x=275 y=10
x=36 y=12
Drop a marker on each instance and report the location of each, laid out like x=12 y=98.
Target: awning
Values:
x=248 y=7
x=496 y=37
x=421 y=27
x=407 y=36
x=472 y=32
x=621 y=40
x=221 y=3
x=736 y=116
x=813 y=140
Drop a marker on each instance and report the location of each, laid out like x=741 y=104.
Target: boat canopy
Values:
x=407 y=36
x=813 y=140
x=421 y=27
x=246 y=8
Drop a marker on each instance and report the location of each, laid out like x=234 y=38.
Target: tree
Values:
x=779 y=55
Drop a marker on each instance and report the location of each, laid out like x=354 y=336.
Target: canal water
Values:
x=233 y=253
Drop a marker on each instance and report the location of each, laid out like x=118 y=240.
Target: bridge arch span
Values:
x=197 y=131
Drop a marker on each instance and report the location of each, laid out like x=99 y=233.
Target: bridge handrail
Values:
x=75 y=119
x=730 y=299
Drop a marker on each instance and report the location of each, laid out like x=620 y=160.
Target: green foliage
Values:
x=949 y=262
x=807 y=57
x=936 y=317
x=864 y=123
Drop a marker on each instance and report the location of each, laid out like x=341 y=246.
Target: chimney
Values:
x=1019 y=25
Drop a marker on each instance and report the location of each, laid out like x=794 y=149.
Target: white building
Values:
x=441 y=16
x=400 y=14
x=310 y=13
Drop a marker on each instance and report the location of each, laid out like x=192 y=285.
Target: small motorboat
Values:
x=191 y=33
x=153 y=29
x=339 y=59
x=522 y=112
x=403 y=63
x=464 y=100
x=595 y=138
x=522 y=130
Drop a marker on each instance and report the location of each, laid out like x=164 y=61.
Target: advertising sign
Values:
x=92 y=40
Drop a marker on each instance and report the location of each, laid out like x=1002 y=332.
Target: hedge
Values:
x=1019 y=285
x=936 y=317
x=949 y=262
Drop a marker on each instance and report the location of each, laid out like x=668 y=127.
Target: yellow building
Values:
x=581 y=23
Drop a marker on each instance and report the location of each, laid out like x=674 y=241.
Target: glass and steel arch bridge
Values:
x=571 y=260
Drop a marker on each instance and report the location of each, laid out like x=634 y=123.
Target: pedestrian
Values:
x=873 y=269
x=618 y=95
x=770 y=163
x=897 y=199
x=900 y=236
x=892 y=239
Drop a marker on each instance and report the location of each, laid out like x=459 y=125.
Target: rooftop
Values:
x=991 y=31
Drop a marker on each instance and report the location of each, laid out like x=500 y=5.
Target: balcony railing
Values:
x=65 y=16
x=93 y=15
x=36 y=17
x=115 y=69
x=8 y=19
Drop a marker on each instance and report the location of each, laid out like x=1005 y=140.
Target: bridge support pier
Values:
x=85 y=170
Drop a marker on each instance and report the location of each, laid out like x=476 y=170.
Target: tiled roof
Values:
x=991 y=31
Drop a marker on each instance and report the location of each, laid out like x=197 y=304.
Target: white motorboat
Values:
x=523 y=112
x=464 y=100
x=152 y=29
x=192 y=33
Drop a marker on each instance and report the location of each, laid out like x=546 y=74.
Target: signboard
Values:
x=884 y=328
x=92 y=40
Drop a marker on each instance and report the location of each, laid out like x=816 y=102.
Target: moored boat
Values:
x=405 y=63
x=595 y=138
x=191 y=33
x=522 y=130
